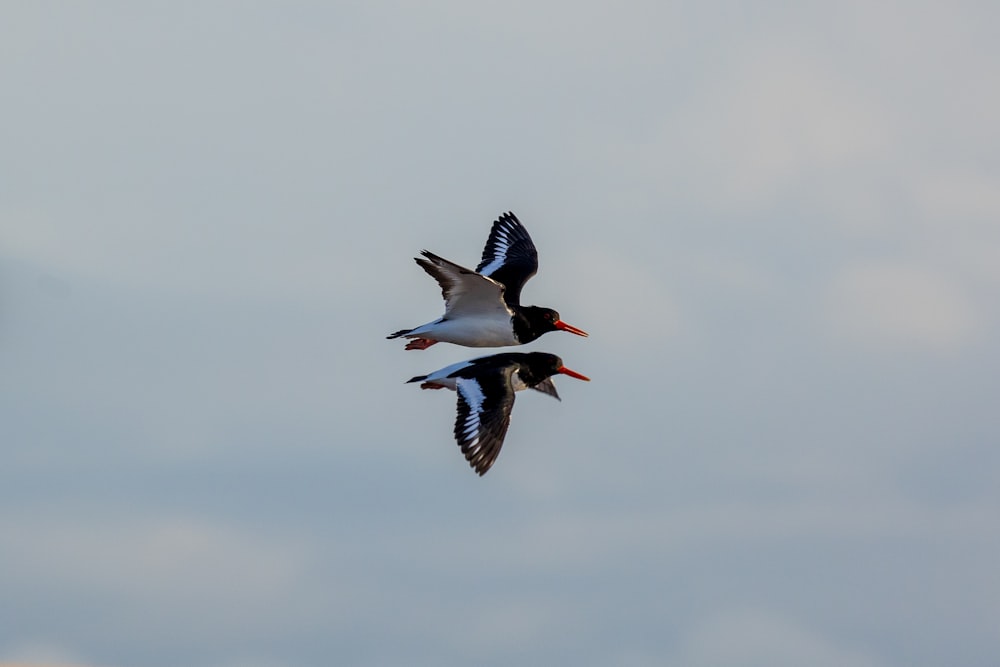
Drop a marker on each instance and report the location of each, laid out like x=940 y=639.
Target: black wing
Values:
x=509 y=257
x=484 y=405
x=547 y=386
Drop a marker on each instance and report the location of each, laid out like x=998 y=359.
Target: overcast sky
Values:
x=779 y=222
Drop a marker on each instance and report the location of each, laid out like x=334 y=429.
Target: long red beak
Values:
x=572 y=374
x=562 y=326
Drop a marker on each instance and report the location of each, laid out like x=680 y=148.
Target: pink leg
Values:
x=420 y=344
x=431 y=385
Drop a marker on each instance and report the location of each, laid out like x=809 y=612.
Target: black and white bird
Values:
x=485 y=389
x=482 y=307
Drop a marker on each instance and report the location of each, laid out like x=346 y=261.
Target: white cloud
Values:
x=292 y=261
x=40 y=654
x=773 y=117
x=761 y=638
x=958 y=218
x=890 y=303
x=631 y=300
x=971 y=196
x=171 y=562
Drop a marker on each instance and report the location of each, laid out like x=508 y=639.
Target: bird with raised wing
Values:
x=482 y=307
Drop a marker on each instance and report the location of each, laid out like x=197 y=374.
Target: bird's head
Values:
x=546 y=319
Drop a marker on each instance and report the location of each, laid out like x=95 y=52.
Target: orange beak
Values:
x=562 y=326
x=572 y=374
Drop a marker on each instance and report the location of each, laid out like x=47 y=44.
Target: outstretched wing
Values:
x=465 y=292
x=484 y=405
x=547 y=386
x=509 y=257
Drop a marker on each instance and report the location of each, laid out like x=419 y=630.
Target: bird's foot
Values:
x=420 y=344
x=431 y=385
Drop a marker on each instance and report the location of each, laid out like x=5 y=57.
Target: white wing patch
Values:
x=443 y=373
x=484 y=405
x=473 y=395
x=503 y=244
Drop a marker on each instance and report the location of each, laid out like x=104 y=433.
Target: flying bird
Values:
x=485 y=388
x=482 y=307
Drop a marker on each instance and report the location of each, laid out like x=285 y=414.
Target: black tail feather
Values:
x=401 y=332
x=418 y=378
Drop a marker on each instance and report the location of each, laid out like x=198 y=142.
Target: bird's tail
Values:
x=401 y=332
x=418 y=378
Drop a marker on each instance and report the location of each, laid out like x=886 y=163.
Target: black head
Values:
x=535 y=321
x=541 y=364
x=538 y=366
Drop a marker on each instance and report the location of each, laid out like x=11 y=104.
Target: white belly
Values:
x=470 y=332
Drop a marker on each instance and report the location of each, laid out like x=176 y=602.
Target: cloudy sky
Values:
x=780 y=223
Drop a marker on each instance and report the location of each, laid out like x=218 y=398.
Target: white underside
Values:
x=516 y=382
x=440 y=376
x=468 y=331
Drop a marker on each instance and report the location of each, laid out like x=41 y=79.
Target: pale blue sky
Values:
x=779 y=223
